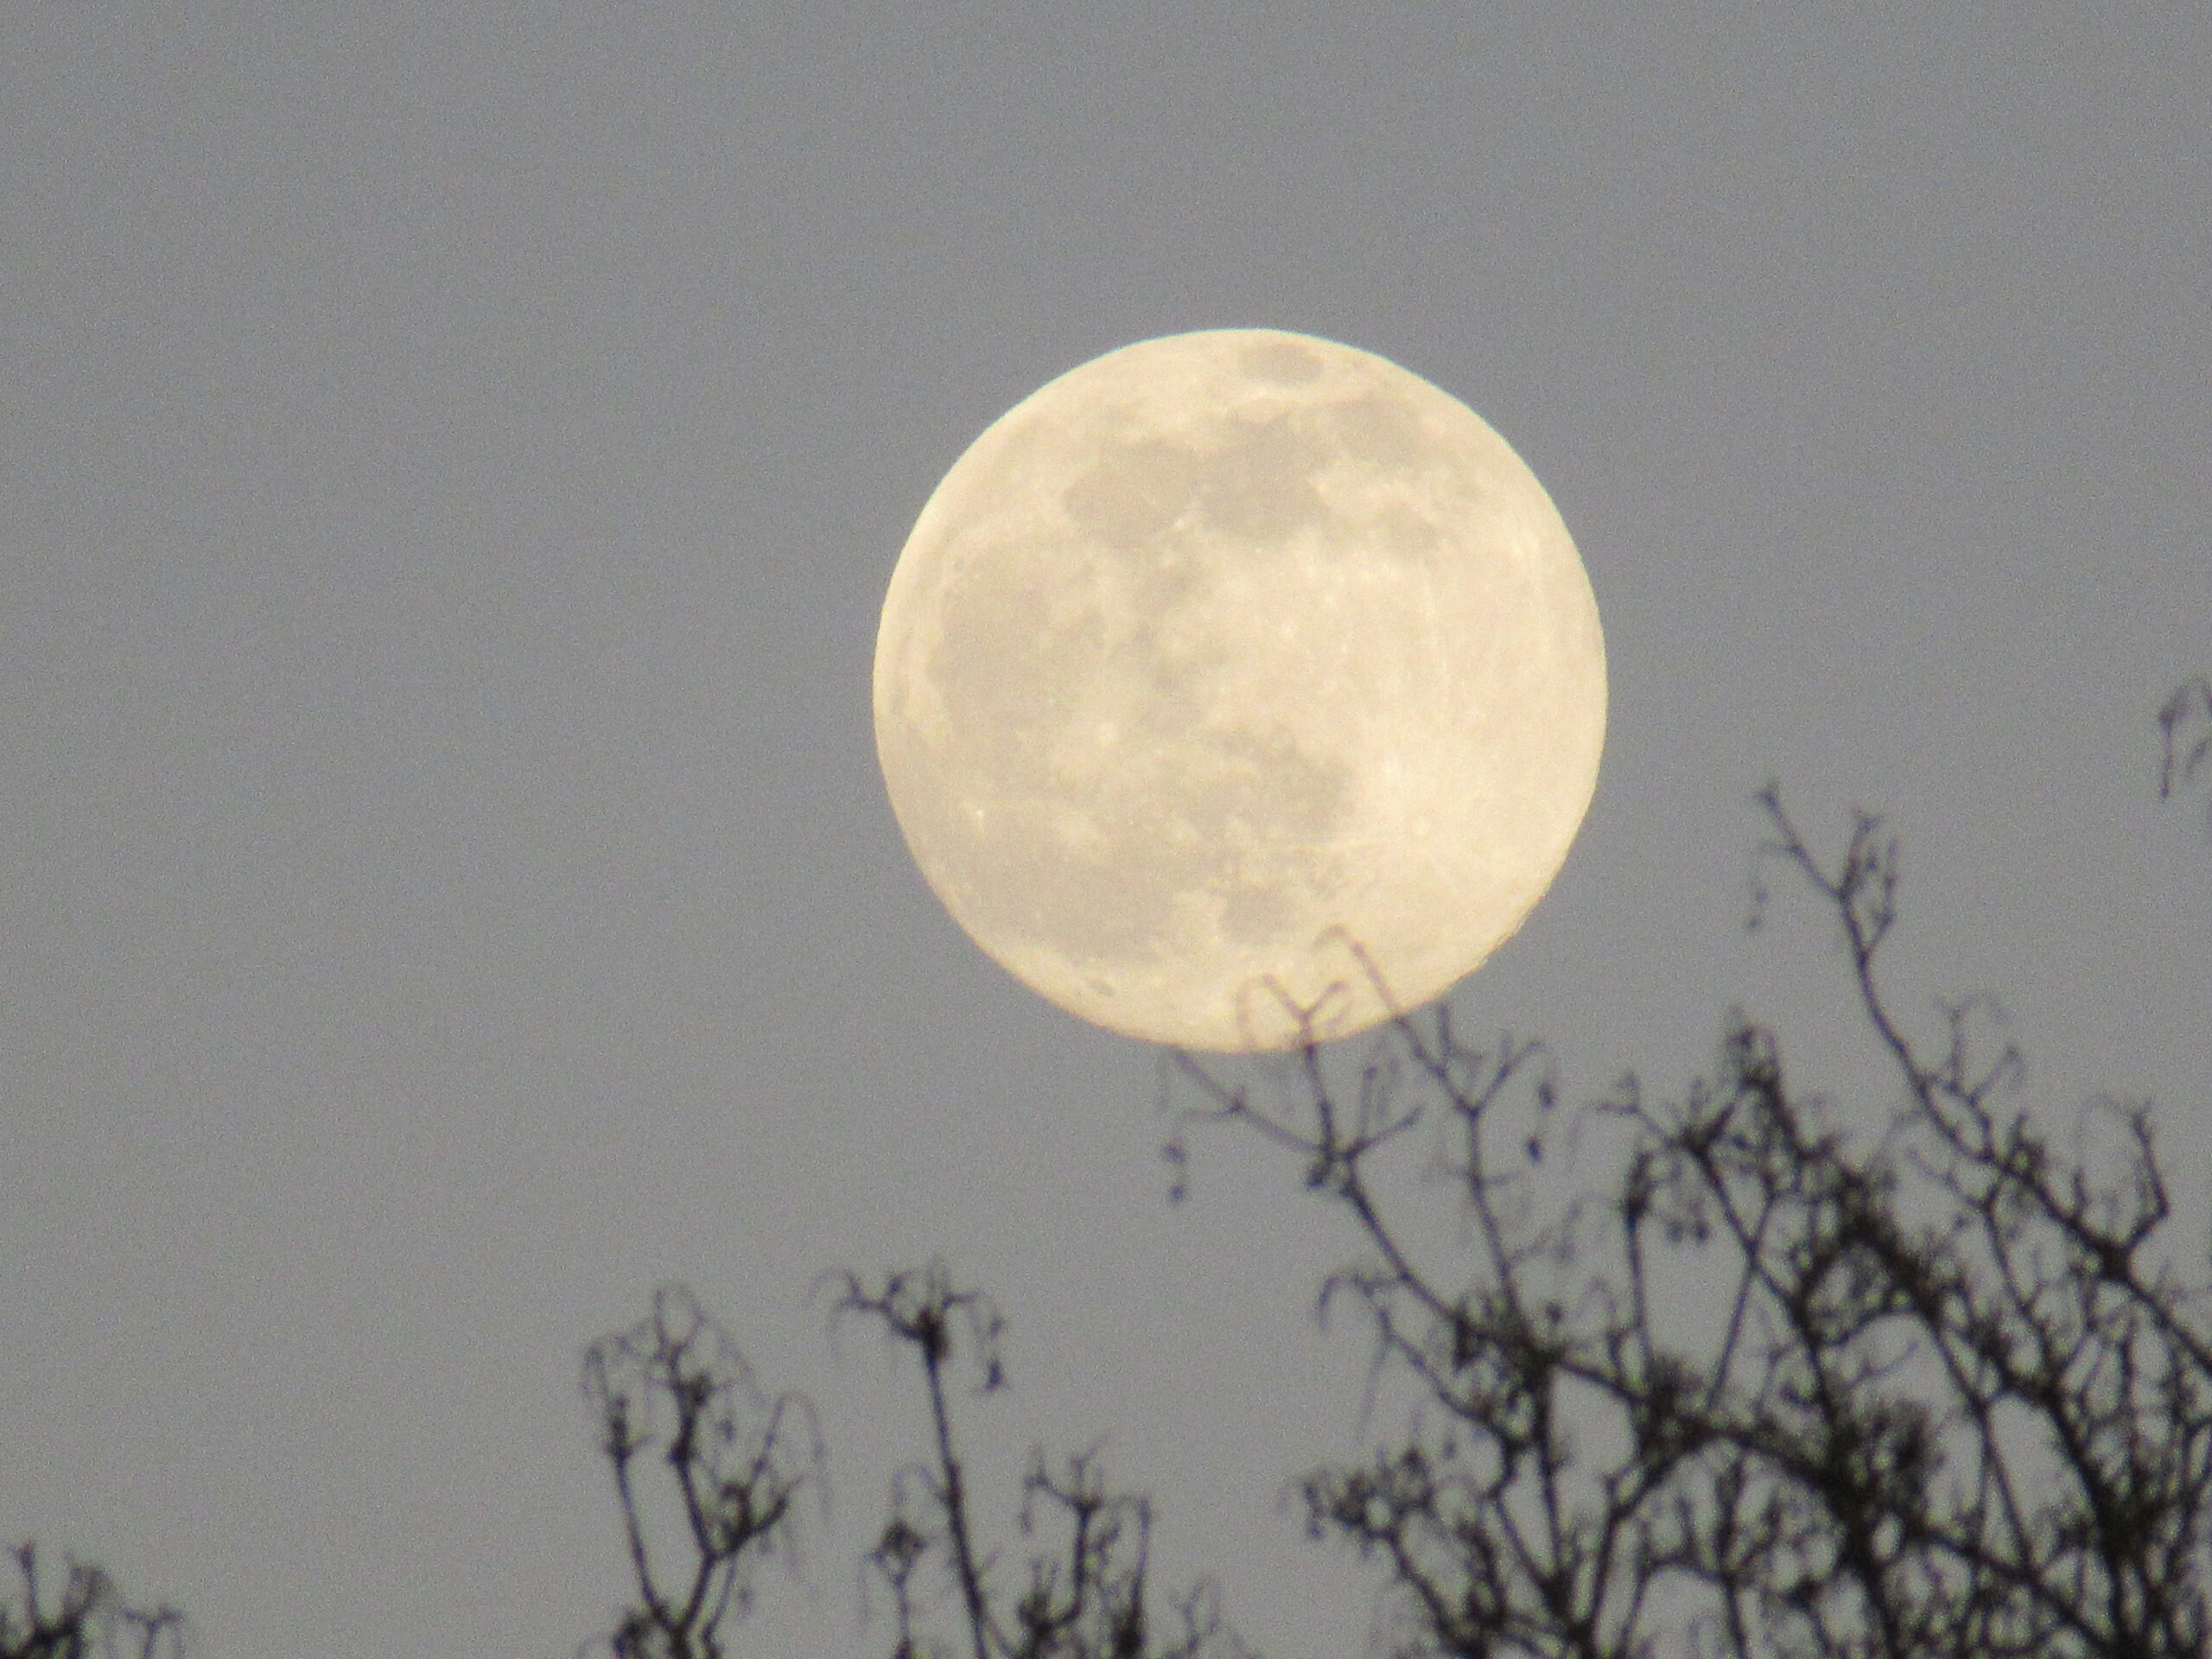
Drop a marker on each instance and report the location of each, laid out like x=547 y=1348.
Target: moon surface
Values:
x=1239 y=688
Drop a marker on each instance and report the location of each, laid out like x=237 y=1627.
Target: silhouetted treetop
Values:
x=733 y=1462
x=1924 y=1384
x=1090 y=1597
x=675 y=1387
x=89 y=1618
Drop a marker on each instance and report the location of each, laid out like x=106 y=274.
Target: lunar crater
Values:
x=1223 y=650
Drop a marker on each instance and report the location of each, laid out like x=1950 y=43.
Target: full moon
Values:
x=1240 y=689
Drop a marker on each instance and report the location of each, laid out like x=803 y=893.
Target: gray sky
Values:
x=450 y=461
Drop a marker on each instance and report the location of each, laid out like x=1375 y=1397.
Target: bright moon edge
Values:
x=1220 y=653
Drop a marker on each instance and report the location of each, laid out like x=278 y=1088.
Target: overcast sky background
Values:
x=451 y=456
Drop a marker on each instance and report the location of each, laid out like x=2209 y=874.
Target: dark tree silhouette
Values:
x=674 y=1386
x=1948 y=1393
x=1945 y=1395
x=1924 y=1383
x=90 y=1619
x=1089 y=1598
x=735 y=1463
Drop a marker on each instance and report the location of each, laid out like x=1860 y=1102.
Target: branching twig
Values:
x=91 y=1617
x=1089 y=1600
x=1920 y=1391
x=736 y=1461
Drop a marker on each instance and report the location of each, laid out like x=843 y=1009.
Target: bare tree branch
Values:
x=736 y=1462
x=1778 y=1388
x=92 y=1617
x=1089 y=1599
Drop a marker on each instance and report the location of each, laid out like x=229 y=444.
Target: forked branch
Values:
x=1921 y=1386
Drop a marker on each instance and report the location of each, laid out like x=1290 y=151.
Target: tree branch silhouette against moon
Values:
x=1239 y=687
